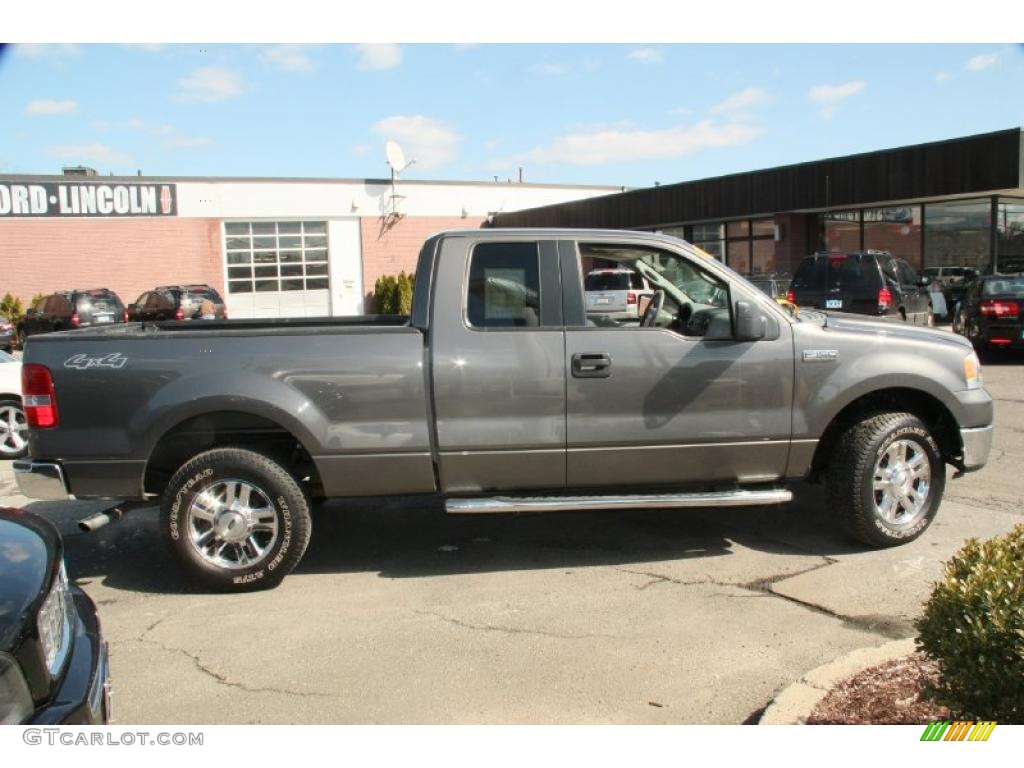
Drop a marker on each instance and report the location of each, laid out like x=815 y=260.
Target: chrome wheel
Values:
x=232 y=524
x=901 y=482
x=13 y=430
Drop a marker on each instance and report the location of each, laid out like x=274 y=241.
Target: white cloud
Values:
x=210 y=84
x=36 y=50
x=549 y=68
x=51 y=107
x=832 y=94
x=179 y=141
x=646 y=55
x=379 y=55
x=941 y=77
x=982 y=61
x=290 y=58
x=429 y=142
x=93 y=154
x=618 y=146
x=748 y=97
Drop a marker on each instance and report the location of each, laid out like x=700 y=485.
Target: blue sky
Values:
x=586 y=114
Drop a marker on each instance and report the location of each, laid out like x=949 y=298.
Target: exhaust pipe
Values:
x=100 y=519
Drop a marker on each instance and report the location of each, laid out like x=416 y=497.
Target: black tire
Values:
x=851 y=476
x=286 y=501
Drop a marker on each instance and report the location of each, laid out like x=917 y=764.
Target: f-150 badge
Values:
x=84 y=362
x=821 y=355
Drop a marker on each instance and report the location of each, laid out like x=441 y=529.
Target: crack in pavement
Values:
x=219 y=678
x=514 y=630
x=660 y=578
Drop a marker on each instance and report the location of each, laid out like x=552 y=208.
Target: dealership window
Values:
x=1010 y=235
x=957 y=233
x=710 y=238
x=265 y=256
x=896 y=230
x=750 y=246
x=840 y=230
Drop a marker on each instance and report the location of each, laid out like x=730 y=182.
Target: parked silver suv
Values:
x=616 y=293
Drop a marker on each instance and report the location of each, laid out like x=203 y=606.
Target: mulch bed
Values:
x=892 y=693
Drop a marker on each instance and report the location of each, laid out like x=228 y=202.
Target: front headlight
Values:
x=54 y=623
x=15 y=700
x=972 y=371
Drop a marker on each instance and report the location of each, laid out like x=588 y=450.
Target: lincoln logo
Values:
x=86 y=199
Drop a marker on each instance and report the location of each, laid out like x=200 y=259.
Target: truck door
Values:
x=678 y=402
x=497 y=351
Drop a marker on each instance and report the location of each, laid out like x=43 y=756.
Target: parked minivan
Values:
x=176 y=302
x=863 y=282
x=66 y=310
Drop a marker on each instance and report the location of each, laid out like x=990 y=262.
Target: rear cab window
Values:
x=504 y=286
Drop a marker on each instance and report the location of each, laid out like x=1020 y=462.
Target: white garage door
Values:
x=277 y=268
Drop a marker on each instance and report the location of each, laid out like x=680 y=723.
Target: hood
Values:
x=30 y=554
x=862 y=324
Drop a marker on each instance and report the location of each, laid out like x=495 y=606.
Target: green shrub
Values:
x=403 y=295
x=384 y=295
x=973 y=626
x=35 y=300
x=11 y=309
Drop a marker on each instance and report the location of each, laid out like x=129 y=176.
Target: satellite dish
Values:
x=396 y=157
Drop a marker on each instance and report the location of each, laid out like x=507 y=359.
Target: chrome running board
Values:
x=649 y=501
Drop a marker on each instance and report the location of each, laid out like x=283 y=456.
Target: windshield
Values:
x=1004 y=286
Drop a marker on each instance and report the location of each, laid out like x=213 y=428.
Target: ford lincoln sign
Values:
x=87 y=199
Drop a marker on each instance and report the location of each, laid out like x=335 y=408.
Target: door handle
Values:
x=591 y=365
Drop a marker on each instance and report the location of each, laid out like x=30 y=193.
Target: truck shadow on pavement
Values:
x=415 y=538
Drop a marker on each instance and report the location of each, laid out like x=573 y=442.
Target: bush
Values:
x=11 y=309
x=36 y=300
x=973 y=626
x=393 y=295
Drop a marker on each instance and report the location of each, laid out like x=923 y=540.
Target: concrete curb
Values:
x=796 y=702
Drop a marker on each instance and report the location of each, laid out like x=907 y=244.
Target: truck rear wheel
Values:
x=236 y=519
x=886 y=478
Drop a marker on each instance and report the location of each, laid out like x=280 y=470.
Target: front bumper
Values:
x=83 y=697
x=977 y=446
x=41 y=480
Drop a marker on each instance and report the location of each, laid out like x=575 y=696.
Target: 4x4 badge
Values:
x=84 y=362
x=821 y=355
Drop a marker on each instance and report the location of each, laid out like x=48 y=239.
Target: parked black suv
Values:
x=65 y=310
x=864 y=282
x=991 y=313
x=53 y=659
x=176 y=302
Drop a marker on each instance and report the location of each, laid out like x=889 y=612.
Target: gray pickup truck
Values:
x=503 y=393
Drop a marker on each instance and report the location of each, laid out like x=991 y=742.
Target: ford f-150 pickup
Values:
x=503 y=392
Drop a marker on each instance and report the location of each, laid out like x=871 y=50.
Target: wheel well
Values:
x=929 y=409
x=228 y=428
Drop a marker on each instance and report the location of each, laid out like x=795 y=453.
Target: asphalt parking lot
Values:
x=400 y=614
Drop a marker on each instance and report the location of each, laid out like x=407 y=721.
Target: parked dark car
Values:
x=863 y=282
x=53 y=660
x=66 y=310
x=990 y=312
x=8 y=333
x=176 y=302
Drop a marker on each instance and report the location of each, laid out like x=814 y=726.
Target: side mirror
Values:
x=750 y=322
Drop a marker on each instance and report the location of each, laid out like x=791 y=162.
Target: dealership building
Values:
x=947 y=203
x=279 y=247
x=273 y=247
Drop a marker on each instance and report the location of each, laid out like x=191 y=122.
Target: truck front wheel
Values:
x=236 y=519
x=886 y=478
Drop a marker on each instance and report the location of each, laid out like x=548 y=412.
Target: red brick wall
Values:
x=128 y=256
x=396 y=249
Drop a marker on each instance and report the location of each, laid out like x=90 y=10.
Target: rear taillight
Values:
x=75 y=320
x=630 y=298
x=994 y=308
x=790 y=296
x=224 y=314
x=126 y=316
x=884 y=298
x=179 y=314
x=37 y=396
